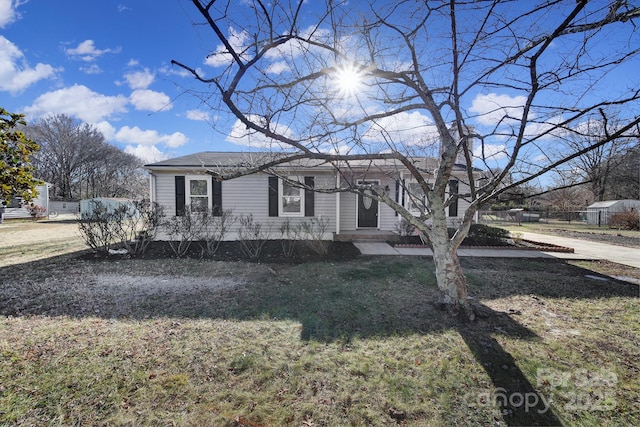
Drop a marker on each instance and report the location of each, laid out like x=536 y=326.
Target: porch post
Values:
x=337 y=203
x=400 y=194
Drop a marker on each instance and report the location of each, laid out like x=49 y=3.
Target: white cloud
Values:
x=78 y=101
x=91 y=69
x=493 y=109
x=178 y=71
x=221 y=56
x=87 y=51
x=148 y=154
x=278 y=67
x=137 y=136
x=149 y=100
x=240 y=135
x=139 y=79
x=9 y=12
x=491 y=152
x=404 y=128
x=106 y=129
x=15 y=73
x=198 y=115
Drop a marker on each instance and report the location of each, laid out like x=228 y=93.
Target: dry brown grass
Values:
x=194 y=342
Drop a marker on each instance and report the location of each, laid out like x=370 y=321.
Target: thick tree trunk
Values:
x=451 y=280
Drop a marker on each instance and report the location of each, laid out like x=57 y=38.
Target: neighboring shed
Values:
x=88 y=205
x=64 y=206
x=18 y=208
x=599 y=213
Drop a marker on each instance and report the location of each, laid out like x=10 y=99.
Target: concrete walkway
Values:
x=583 y=250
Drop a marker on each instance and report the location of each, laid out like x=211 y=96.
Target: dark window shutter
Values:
x=309 y=197
x=180 y=195
x=453 y=191
x=403 y=187
x=397 y=194
x=217 y=197
x=273 y=196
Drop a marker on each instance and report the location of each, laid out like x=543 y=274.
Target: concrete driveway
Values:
x=584 y=249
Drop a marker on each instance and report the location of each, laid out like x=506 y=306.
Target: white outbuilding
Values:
x=599 y=213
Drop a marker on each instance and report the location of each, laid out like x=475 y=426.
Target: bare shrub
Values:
x=36 y=211
x=96 y=227
x=404 y=229
x=289 y=235
x=136 y=225
x=313 y=231
x=628 y=219
x=131 y=226
x=183 y=230
x=251 y=235
x=213 y=229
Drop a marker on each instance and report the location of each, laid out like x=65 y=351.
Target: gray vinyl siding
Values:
x=388 y=218
x=347 y=212
x=165 y=189
x=249 y=195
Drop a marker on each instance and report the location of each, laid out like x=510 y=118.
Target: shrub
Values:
x=404 y=229
x=130 y=226
x=96 y=227
x=628 y=219
x=485 y=235
x=251 y=236
x=137 y=225
x=213 y=229
x=289 y=235
x=36 y=211
x=312 y=232
x=182 y=231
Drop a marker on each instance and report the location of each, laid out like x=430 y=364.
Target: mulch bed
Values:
x=271 y=252
x=522 y=244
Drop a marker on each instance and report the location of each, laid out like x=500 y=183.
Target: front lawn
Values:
x=206 y=343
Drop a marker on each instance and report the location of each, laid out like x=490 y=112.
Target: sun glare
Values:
x=348 y=79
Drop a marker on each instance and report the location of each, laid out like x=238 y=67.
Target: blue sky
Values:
x=108 y=63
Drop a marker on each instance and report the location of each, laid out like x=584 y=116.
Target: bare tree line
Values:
x=79 y=163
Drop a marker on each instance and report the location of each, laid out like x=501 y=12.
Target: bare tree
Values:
x=624 y=180
x=492 y=83
x=79 y=163
x=598 y=165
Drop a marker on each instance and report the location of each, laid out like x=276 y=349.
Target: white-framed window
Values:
x=291 y=197
x=198 y=193
x=415 y=200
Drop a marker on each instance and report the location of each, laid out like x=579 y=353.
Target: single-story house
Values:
x=599 y=213
x=18 y=208
x=185 y=181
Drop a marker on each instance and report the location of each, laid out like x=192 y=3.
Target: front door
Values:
x=367 y=211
